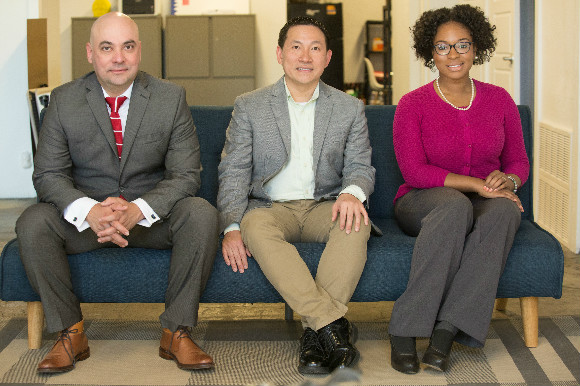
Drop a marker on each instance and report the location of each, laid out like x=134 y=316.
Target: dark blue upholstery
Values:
x=535 y=266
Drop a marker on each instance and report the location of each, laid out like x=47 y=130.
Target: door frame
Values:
x=527 y=52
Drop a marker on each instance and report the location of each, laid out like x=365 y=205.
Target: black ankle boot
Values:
x=437 y=354
x=404 y=354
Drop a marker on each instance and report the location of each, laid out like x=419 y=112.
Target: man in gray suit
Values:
x=296 y=167
x=94 y=189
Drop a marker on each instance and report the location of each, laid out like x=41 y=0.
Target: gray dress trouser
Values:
x=191 y=231
x=463 y=241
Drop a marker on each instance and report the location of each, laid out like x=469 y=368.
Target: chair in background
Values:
x=375 y=90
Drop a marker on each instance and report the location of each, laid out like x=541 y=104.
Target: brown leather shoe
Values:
x=71 y=346
x=180 y=347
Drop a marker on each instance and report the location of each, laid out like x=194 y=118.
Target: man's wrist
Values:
x=232 y=227
x=149 y=216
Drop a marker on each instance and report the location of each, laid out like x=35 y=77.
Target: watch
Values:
x=514 y=181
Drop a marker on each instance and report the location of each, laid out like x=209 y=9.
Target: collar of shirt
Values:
x=314 y=96
x=124 y=109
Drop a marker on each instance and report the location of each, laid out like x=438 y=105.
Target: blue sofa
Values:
x=534 y=268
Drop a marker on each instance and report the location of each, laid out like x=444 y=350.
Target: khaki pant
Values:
x=268 y=234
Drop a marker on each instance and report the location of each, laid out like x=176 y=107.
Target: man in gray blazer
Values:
x=296 y=167
x=94 y=189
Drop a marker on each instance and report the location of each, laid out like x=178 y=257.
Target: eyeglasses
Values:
x=445 y=49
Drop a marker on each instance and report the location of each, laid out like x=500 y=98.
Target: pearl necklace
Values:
x=458 y=108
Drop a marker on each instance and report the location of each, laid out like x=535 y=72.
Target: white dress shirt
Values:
x=77 y=211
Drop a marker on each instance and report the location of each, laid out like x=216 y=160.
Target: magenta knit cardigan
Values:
x=432 y=139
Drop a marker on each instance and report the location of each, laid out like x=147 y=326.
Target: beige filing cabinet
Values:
x=213 y=57
x=149 y=32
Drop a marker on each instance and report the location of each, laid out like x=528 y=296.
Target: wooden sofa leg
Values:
x=288 y=313
x=35 y=325
x=501 y=304
x=529 y=307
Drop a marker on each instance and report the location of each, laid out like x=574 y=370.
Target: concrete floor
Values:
x=569 y=304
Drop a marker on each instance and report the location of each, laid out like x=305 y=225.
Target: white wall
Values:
x=15 y=142
x=557 y=101
x=270 y=17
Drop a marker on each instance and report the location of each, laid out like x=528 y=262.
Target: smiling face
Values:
x=115 y=52
x=455 y=66
x=303 y=57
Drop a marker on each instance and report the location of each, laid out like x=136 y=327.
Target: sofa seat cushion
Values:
x=534 y=268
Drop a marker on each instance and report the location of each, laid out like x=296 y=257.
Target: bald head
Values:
x=112 y=19
x=114 y=50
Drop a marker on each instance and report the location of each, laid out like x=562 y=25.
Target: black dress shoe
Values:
x=335 y=339
x=405 y=362
x=312 y=358
x=437 y=354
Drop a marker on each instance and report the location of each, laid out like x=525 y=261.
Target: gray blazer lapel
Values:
x=279 y=106
x=139 y=100
x=96 y=101
x=322 y=116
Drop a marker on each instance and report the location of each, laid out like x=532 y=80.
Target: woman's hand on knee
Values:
x=502 y=193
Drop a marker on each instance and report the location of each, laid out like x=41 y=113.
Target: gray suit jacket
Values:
x=258 y=143
x=77 y=156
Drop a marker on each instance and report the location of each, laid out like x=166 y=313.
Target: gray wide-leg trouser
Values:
x=462 y=245
x=191 y=231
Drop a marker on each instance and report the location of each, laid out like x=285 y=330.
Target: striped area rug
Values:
x=266 y=353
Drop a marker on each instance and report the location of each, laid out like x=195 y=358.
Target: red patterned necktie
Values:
x=115 y=105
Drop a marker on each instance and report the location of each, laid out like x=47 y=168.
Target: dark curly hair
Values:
x=301 y=20
x=472 y=18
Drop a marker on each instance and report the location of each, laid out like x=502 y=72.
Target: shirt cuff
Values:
x=150 y=216
x=355 y=191
x=77 y=211
x=232 y=227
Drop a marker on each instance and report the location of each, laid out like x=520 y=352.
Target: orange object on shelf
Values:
x=378 y=44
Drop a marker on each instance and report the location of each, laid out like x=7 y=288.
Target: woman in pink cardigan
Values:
x=461 y=152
